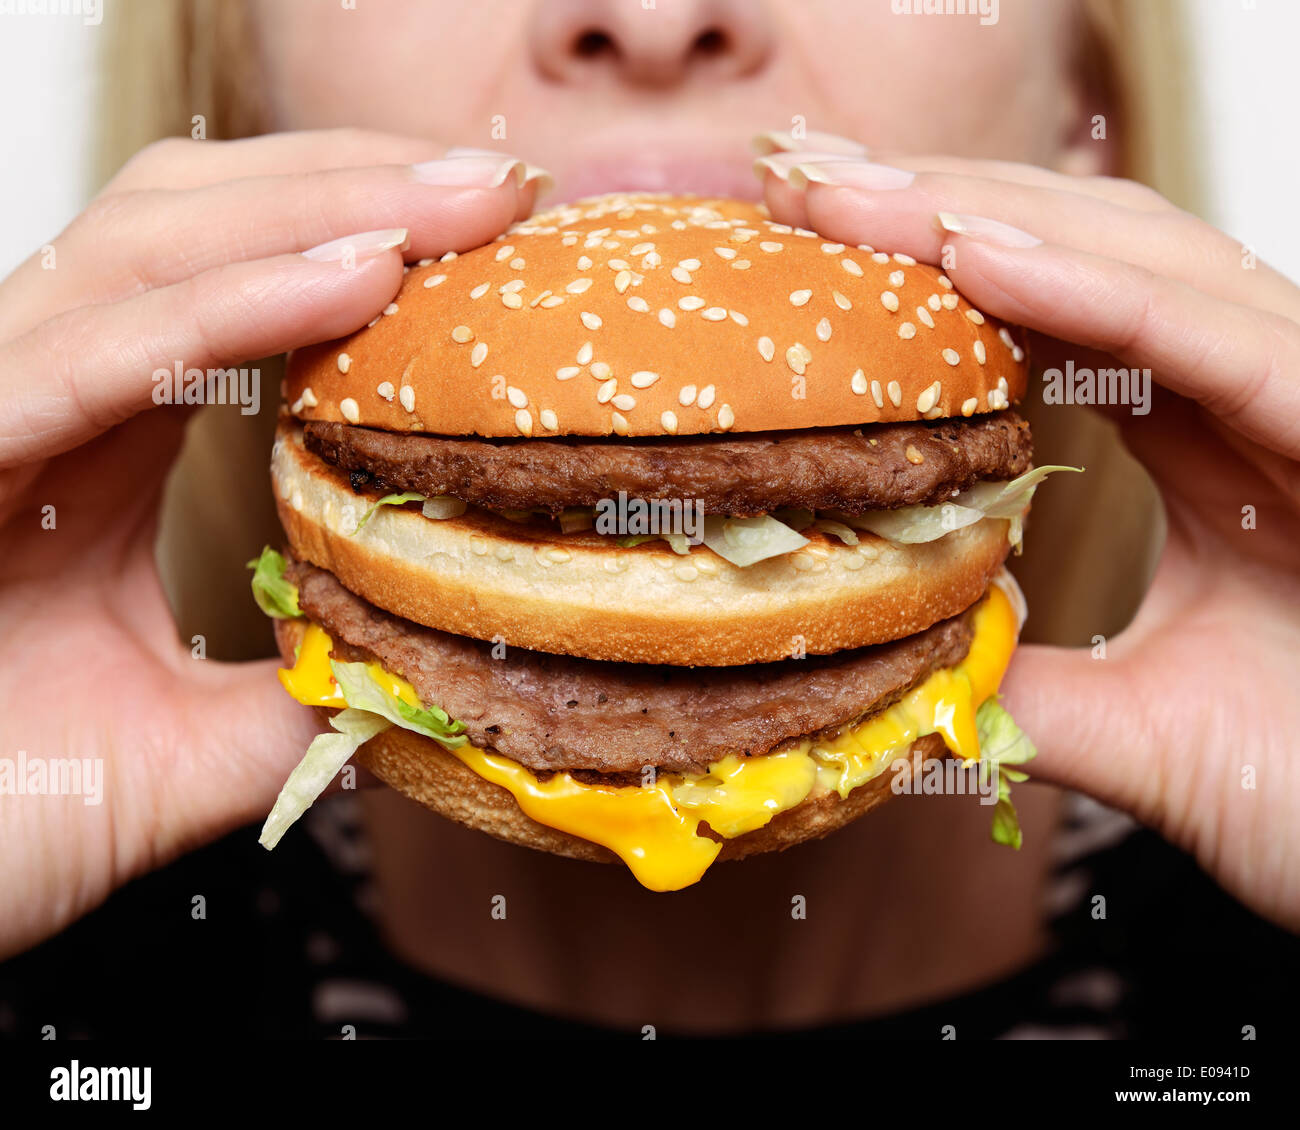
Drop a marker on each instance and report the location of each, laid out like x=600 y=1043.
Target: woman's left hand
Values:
x=1192 y=723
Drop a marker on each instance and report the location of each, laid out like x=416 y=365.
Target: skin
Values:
x=192 y=252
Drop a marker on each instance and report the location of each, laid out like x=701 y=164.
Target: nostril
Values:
x=592 y=44
x=710 y=42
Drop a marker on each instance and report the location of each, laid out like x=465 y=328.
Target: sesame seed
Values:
x=951 y=356
x=879 y=257
x=726 y=417
x=667 y=317
x=624 y=402
x=599 y=370
x=296 y=406
x=907 y=331
x=651 y=261
x=800 y=297
x=552 y=302
x=824 y=330
x=309 y=398
x=518 y=264
x=877 y=394
x=669 y=421
x=514 y=286
x=949 y=301
x=714 y=314
x=689 y=264
x=504 y=252
x=928 y=398
x=924 y=316
x=478 y=292
x=725 y=252
x=968 y=406
x=436 y=280
x=619 y=423
x=852 y=267
x=584 y=353
x=895 y=391
x=344 y=362
x=895 y=278
x=517 y=397
x=998 y=400
x=805 y=233
x=1003 y=387
x=738 y=317
x=622 y=281
x=690 y=302
x=906 y=260
x=934 y=303
x=462 y=334
x=889 y=300
x=858 y=382
x=584 y=263
x=639 y=304
x=448 y=257
x=578 y=286
x=643 y=378
x=478 y=354
x=351 y=413
x=913 y=456
x=617 y=264
x=682 y=275
x=642 y=248
x=590 y=320
x=832 y=248
x=569 y=240
x=781 y=229
x=524 y=421
x=770 y=246
x=605 y=393
x=740 y=265
x=567 y=373
x=840 y=301
x=975 y=316
x=548 y=418
x=794 y=357
x=945 y=282
x=425 y=263
x=980 y=354
x=766 y=348
x=512 y=301
x=705 y=399
x=1017 y=354
x=686 y=397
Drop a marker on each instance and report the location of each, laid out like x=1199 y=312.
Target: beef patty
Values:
x=874 y=467
x=554 y=712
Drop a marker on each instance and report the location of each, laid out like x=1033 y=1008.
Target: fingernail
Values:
x=850 y=174
x=772 y=141
x=980 y=227
x=359 y=246
x=780 y=164
x=545 y=182
x=482 y=169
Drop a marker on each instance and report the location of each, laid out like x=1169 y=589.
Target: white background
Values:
x=1246 y=58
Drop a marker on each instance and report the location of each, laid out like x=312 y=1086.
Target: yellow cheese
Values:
x=654 y=829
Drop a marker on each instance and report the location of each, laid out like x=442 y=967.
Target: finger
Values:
x=128 y=242
x=896 y=208
x=80 y=373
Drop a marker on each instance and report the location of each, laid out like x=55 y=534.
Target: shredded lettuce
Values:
x=388 y=500
x=836 y=529
x=1003 y=743
x=326 y=755
x=275 y=596
x=364 y=692
x=912 y=524
x=744 y=541
x=680 y=542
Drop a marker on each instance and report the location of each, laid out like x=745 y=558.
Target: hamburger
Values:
x=654 y=531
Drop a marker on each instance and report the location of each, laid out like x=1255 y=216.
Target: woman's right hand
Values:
x=208 y=254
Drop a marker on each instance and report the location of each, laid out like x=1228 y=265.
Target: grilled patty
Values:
x=554 y=712
x=874 y=467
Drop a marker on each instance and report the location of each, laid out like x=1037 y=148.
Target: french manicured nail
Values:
x=480 y=169
x=773 y=141
x=780 y=164
x=849 y=174
x=545 y=182
x=993 y=231
x=360 y=245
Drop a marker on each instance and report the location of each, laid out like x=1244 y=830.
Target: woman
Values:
x=221 y=253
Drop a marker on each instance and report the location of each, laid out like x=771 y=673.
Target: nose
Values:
x=649 y=43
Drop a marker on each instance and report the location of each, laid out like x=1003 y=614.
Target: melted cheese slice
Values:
x=654 y=829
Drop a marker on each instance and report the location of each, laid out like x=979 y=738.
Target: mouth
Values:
x=657 y=171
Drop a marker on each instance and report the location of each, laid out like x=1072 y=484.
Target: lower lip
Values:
x=702 y=178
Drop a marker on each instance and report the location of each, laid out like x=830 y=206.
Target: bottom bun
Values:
x=421 y=769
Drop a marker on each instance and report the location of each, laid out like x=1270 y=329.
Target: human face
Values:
x=665 y=94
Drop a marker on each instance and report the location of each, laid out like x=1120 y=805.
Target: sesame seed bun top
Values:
x=646 y=315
